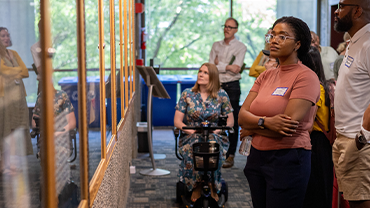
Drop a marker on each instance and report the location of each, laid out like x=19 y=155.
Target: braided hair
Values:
x=319 y=70
x=301 y=33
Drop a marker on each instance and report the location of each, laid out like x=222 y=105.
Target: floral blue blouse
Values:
x=196 y=110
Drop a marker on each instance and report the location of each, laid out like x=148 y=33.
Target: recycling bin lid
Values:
x=95 y=79
x=187 y=79
x=74 y=80
x=68 y=80
x=168 y=79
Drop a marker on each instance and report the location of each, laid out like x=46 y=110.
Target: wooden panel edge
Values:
x=97 y=180
x=111 y=146
x=83 y=204
x=127 y=110
x=99 y=174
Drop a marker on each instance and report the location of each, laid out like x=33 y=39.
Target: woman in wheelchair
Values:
x=64 y=116
x=205 y=101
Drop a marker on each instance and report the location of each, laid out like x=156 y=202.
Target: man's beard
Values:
x=344 y=24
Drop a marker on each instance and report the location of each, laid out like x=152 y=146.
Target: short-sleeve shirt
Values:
x=275 y=88
x=196 y=110
x=61 y=104
x=352 y=92
x=328 y=57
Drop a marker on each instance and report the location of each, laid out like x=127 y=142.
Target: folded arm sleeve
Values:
x=240 y=55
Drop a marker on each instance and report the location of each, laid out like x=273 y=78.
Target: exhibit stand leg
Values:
x=152 y=171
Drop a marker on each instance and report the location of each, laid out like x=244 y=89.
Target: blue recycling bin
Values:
x=163 y=110
x=187 y=81
x=109 y=111
x=118 y=104
x=69 y=85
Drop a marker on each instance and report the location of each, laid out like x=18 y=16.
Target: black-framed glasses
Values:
x=278 y=38
x=340 y=5
x=228 y=27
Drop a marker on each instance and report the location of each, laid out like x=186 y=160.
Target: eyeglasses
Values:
x=278 y=38
x=340 y=5
x=228 y=27
x=267 y=38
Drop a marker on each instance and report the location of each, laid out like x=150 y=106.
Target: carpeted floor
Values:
x=145 y=191
x=160 y=191
x=34 y=169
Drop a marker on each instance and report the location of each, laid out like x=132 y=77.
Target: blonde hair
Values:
x=213 y=85
x=346 y=36
x=341 y=47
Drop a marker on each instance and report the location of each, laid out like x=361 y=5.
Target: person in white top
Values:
x=351 y=149
x=328 y=56
x=228 y=55
x=36 y=50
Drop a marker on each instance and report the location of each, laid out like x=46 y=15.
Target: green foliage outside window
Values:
x=181 y=33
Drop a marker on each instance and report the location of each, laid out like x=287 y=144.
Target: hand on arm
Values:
x=298 y=108
x=24 y=70
x=233 y=68
x=276 y=126
x=179 y=116
x=8 y=71
x=71 y=124
x=236 y=65
x=18 y=72
x=287 y=123
x=244 y=133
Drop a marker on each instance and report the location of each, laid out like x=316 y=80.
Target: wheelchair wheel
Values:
x=180 y=190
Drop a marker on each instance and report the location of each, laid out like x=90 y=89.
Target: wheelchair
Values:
x=35 y=133
x=206 y=158
x=69 y=195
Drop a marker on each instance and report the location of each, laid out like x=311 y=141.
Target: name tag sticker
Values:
x=349 y=61
x=280 y=91
x=332 y=66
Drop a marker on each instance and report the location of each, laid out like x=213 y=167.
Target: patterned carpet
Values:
x=146 y=191
x=34 y=169
x=160 y=191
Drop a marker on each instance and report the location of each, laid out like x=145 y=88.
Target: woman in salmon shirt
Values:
x=278 y=112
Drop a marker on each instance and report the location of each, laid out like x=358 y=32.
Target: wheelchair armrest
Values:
x=177 y=132
x=72 y=136
x=72 y=133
